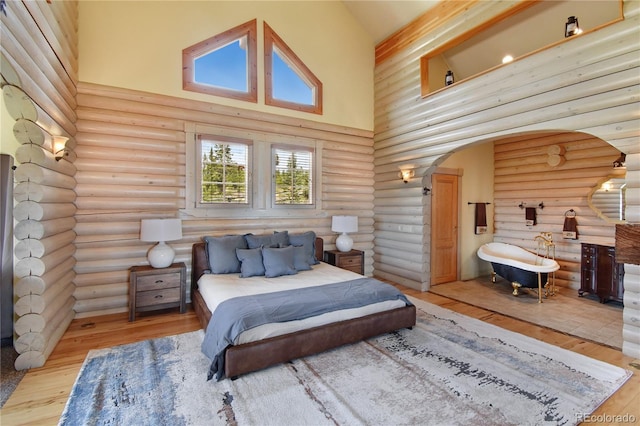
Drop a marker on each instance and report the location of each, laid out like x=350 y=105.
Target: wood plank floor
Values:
x=42 y=394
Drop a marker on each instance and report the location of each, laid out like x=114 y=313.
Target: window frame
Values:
x=190 y=54
x=292 y=148
x=260 y=172
x=223 y=140
x=273 y=42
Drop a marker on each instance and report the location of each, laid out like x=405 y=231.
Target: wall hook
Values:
x=426 y=191
x=522 y=204
x=541 y=205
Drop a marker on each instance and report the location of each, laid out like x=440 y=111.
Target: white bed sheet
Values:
x=217 y=288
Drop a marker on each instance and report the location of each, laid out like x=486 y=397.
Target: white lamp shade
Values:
x=344 y=223
x=160 y=229
x=161 y=255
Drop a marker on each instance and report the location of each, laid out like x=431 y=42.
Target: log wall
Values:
x=131 y=165
x=39 y=75
x=586 y=84
x=523 y=176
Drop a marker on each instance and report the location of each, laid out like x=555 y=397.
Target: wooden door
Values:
x=444 y=228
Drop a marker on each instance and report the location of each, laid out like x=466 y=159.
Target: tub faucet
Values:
x=546 y=237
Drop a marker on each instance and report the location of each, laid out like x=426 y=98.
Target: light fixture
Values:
x=607 y=186
x=59 y=147
x=507 y=59
x=572 y=27
x=405 y=175
x=344 y=224
x=161 y=255
x=620 y=161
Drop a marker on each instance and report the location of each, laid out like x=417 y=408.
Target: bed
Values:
x=242 y=358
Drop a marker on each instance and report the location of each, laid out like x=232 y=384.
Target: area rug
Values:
x=448 y=369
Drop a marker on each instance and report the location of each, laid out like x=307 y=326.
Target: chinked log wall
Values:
x=39 y=74
x=587 y=84
x=131 y=165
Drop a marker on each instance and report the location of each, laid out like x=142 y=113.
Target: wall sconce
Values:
x=60 y=147
x=620 y=160
x=607 y=186
x=405 y=175
x=572 y=27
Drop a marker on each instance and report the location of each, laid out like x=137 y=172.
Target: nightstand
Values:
x=152 y=289
x=352 y=260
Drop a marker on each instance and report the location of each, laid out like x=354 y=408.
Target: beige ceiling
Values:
x=381 y=18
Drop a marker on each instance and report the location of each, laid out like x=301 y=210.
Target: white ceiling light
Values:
x=507 y=59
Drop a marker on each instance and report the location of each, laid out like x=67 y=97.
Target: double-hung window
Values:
x=223 y=172
x=254 y=174
x=292 y=175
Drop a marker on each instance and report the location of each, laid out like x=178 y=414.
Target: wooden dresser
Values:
x=600 y=275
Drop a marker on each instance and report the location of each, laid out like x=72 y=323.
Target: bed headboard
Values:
x=200 y=263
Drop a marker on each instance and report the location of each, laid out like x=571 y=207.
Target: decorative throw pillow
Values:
x=277 y=239
x=278 y=261
x=308 y=241
x=300 y=258
x=250 y=262
x=221 y=252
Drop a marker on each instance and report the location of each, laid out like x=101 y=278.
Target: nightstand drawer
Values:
x=154 y=282
x=349 y=262
x=158 y=297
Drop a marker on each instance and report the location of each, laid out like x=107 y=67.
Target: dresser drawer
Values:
x=349 y=262
x=158 y=297
x=155 y=282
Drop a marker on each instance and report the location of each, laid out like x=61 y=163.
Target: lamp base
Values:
x=161 y=255
x=344 y=242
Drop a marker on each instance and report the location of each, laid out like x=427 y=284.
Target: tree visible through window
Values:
x=224 y=172
x=293 y=180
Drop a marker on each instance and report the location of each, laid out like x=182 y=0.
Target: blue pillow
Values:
x=300 y=258
x=308 y=241
x=221 y=252
x=278 y=261
x=250 y=262
x=277 y=239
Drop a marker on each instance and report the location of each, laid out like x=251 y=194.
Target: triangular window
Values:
x=224 y=65
x=288 y=81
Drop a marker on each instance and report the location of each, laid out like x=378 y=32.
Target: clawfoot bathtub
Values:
x=523 y=268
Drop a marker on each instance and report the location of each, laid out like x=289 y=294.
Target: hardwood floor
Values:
x=42 y=394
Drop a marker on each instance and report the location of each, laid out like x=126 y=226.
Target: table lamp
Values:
x=161 y=255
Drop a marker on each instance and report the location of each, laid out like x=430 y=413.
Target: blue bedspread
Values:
x=238 y=314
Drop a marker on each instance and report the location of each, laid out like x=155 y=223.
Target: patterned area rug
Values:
x=449 y=369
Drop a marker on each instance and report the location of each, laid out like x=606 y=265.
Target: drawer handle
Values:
x=159 y=281
x=158 y=296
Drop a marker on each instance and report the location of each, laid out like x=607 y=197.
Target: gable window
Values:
x=293 y=175
x=288 y=81
x=224 y=65
x=223 y=170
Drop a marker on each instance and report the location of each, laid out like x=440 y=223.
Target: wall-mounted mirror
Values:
x=608 y=198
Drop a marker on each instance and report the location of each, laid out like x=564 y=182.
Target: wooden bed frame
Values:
x=254 y=356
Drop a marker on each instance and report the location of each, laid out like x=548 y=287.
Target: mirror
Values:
x=608 y=198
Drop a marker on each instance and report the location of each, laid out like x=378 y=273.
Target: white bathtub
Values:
x=522 y=267
x=508 y=254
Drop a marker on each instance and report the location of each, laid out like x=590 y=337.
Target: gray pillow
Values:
x=308 y=241
x=278 y=261
x=221 y=252
x=300 y=258
x=250 y=262
x=277 y=239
